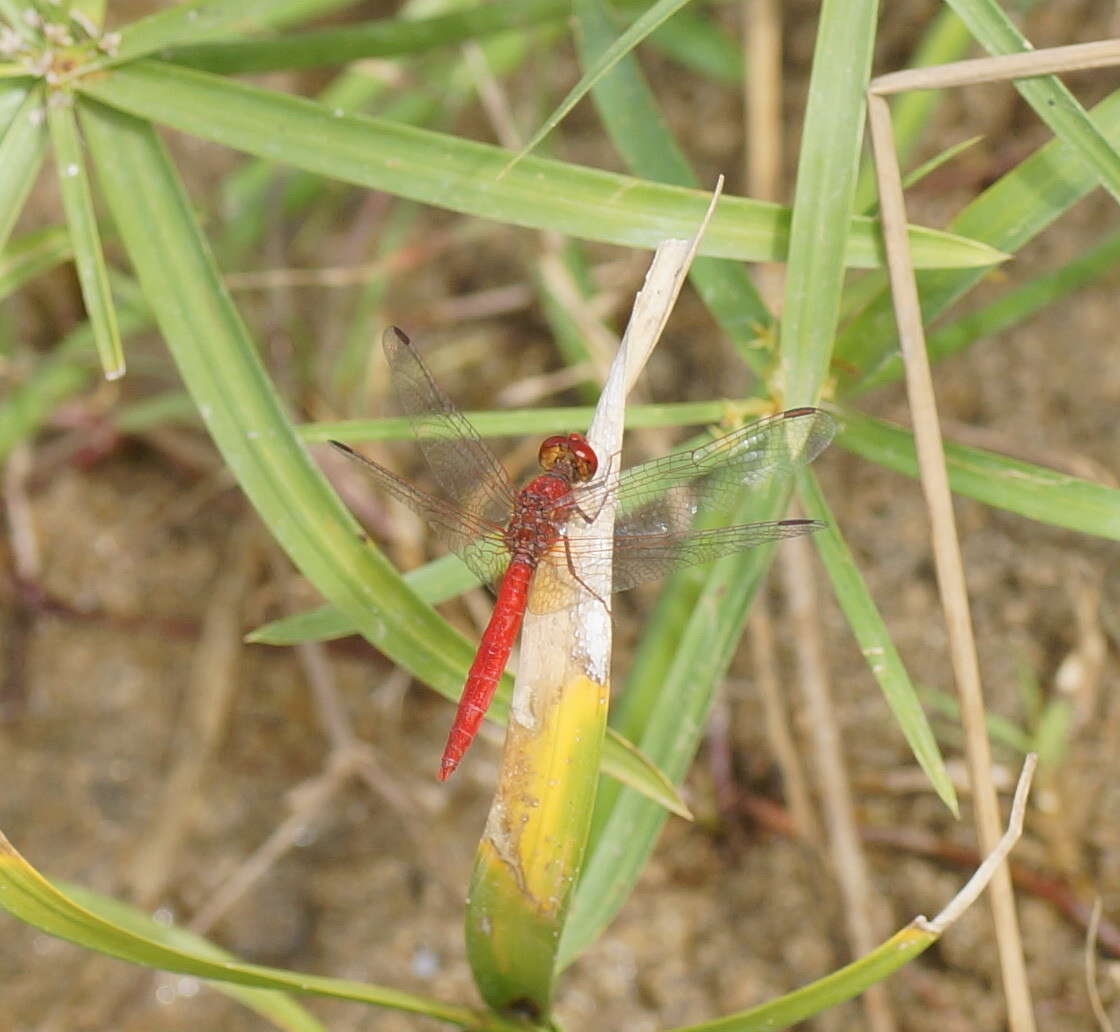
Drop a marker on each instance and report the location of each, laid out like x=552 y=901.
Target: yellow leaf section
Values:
x=529 y=859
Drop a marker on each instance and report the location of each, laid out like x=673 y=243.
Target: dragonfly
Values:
x=519 y=539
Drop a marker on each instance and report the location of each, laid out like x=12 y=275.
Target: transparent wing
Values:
x=658 y=500
x=478 y=542
x=467 y=471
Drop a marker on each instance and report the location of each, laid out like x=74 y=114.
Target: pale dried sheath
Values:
x=531 y=852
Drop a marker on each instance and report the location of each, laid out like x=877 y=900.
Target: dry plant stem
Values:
x=1091 y=969
x=762 y=86
x=778 y=731
x=947 y=557
x=848 y=860
x=1076 y=58
x=208 y=696
x=994 y=862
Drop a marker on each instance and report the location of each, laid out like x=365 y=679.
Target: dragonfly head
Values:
x=571 y=454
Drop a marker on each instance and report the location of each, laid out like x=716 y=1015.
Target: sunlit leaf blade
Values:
x=85 y=239
x=1051 y=99
x=1033 y=491
x=462 y=175
x=26 y=894
x=21 y=153
x=831 y=141
x=849 y=981
x=642 y=26
x=874 y=640
x=278 y=1008
x=31 y=254
x=221 y=370
x=389 y=37
x=198 y=20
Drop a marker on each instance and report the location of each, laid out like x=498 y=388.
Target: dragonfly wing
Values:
x=644 y=557
x=478 y=543
x=767 y=449
x=657 y=501
x=467 y=470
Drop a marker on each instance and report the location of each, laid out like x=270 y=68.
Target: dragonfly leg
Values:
x=579 y=580
x=604 y=495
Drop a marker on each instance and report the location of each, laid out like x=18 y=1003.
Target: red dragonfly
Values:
x=507 y=536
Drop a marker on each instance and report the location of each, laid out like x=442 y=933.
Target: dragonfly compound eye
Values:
x=584 y=459
x=572 y=450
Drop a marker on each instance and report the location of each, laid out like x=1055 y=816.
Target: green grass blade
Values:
x=1014 y=308
x=848 y=982
x=276 y=1007
x=31 y=254
x=26 y=894
x=85 y=239
x=21 y=153
x=642 y=26
x=1007 y=215
x=874 y=640
x=1020 y=487
x=826 y=177
x=198 y=20
x=1048 y=95
x=389 y=37
x=223 y=374
x=638 y=131
x=462 y=175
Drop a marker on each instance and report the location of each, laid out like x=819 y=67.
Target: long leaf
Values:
x=21 y=153
x=221 y=370
x=197 y=20
x=26 y=894
x=389 y=37
x=826 y=177
x=1020 y=487
x=93 y=276
x=1048 y=95
x=874 y=640
x=463 y=175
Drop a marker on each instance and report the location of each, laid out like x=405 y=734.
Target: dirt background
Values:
x=125 y=645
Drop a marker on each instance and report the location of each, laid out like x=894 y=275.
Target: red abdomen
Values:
x=489 y=662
